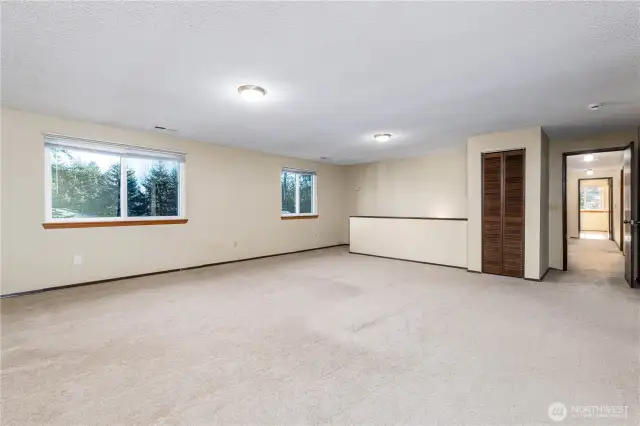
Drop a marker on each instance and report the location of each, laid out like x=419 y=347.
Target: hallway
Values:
x=597 y=258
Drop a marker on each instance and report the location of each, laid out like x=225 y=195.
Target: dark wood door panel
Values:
x=492 y=246
x=492 y=214
x=513 y=219
x=503 y=213
x=513 y=247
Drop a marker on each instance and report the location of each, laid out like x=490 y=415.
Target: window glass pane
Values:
x=153 y=187
x=84 y=184
x=306 y=193
x=288 y=183
x=591 y=198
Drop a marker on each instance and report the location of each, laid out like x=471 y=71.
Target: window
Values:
x=298 y=193
x=591 y=198
x=103 y=182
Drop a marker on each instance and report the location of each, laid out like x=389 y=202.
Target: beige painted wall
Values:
x=531 y=140
x=232 y=196
x=556 y=148
x=429 y=186
x=434 y=241
x=544 y=205
x=246 y=209
x=595 y=221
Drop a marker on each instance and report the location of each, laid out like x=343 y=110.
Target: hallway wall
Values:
x=557 y=147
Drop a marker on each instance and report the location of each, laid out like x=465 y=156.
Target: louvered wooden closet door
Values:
x=492 y=213
x=513 y=214
x=503 y=213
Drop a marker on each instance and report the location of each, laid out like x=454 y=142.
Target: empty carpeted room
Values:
x=302 y=213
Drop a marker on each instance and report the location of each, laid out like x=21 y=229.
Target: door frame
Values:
x=621 y=245
x=609 y=196
x=524 y=201
x=634 y=197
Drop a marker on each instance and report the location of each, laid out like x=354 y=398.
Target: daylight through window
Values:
x=298 y=192
x=591 y=198
x=101 y=181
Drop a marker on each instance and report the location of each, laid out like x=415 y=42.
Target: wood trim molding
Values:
x=409 y=217
x=105 y=224
x=409 y=260
x=168 y=271
x=594 y=211
x=309 y=216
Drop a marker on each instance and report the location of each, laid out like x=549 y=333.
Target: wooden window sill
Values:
x=310 y=216
x=104 y=224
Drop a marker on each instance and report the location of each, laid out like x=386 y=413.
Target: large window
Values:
x=94 y=181
x=298 y=193
x=591 y=198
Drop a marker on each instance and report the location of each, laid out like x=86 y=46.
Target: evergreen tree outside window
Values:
x=298 y=192
x=101 y=181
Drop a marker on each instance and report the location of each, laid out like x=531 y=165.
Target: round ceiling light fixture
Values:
x=588 y=157
x=589 y=172
x=382 y=137
x=251 y=92
x=595 y=106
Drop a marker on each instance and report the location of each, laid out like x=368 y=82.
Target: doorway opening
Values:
x=596 y=205
x=597 y=202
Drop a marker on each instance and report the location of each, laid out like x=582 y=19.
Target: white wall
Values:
x=529 y=139
x=556 y=148
x=232 y=196
x=428 y=186
x=432 y=241
x=544 y=205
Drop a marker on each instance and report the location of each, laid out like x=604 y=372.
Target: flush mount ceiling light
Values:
x=595 y=106
x=251 y=92
x=588 y=158
x=589 y=172
x=382 y=137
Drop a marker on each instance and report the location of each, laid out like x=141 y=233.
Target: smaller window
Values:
x=591 y=198
x=298 y=192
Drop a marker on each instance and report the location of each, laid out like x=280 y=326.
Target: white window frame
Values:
x=124 y=151
x=602 y=194
x=314 y=192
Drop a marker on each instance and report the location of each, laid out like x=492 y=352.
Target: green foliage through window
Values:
x=298 y=192
x=86 y=184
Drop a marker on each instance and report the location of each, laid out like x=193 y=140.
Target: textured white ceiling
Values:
x=601 y=161
x=431 y=73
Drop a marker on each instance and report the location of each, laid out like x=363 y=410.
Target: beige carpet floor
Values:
x=321 y=337
x=601 y=258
